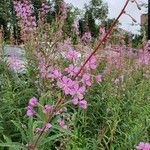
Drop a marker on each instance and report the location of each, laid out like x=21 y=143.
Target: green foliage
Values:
x=95 y=11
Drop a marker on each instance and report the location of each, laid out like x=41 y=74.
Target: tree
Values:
x=95 y=11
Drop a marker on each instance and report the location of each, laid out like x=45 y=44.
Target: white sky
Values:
x=115 y=7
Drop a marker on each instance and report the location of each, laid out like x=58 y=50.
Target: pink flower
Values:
x=63 y=9
x=91 y=64
x=87 y=79
x=47 y=127
x=75 y=101
x=62 y=124
x=30 y=112
x=24 y=12
x=83 y=104
x=48 y=108
x=33 y=101
x=73 y=70
x=98 y=78
x=78 y=91
x=45 y=8
x=143 y=146
x=55 y=74
x=72 y=54
x=38 y=130
x=66 y=84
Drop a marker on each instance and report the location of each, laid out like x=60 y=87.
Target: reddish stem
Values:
x=103 y=40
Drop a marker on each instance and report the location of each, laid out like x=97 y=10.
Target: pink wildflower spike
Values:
x=87 y=79
x=24 y=12
x=47 y=127
x=83 y=104
x=62 y=124
x=98 y=78
x=38 y=130
x=33 y=101
x=72 y=54
x=47 y=108
x=75 y=101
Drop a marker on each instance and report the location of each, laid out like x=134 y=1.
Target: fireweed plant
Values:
x=65 y=71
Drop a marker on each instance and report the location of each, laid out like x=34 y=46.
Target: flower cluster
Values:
x=32 y=103
x=61 y=115
x=64 y=78
x=63 y=9
x=143 y=146
x=24 y=11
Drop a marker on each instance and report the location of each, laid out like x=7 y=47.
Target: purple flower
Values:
x=75 y=101
x=24 y=11
x=87 y=79
x=33 y=101
x=143 y=146
x=45 y=8
x=83 y=104
x=47 y=127
x=73 y=70
x=66 y=84
x=30 y=112
x=47 y=108
x=72 y=54
x=55 y=74
x=91 y=64
x=98 y=78
x=78 y=91
x=62 y=123
x=38 y=130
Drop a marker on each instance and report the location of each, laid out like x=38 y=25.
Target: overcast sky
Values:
x=115 y=7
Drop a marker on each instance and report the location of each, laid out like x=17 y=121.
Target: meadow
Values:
x=73 y=92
